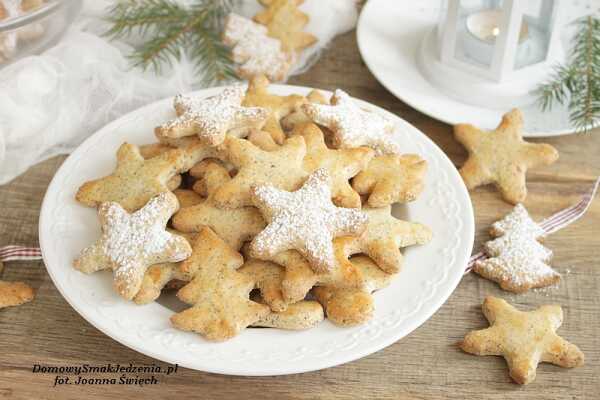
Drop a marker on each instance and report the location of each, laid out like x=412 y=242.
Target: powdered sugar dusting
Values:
x=353 y=126
x=516 y=255
x=254 y=50
x=518 y=220
x=132 y=242
x=214 y=116
x=305 y=220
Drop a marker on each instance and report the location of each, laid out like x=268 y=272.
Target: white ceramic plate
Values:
x=430 y=274
x=389 y=34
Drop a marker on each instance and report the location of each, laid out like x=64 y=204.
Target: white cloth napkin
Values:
x=50 y=103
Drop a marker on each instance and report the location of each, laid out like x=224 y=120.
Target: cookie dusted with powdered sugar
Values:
x=353 y=126
x=213 y=117
x=255 y=51
x=518 y=262
x=305 y=220
x=130 y=243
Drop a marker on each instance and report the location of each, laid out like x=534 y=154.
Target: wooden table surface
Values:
x=425 y=365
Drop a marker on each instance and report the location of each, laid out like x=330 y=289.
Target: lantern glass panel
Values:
x=537 y=23
x=476 y=31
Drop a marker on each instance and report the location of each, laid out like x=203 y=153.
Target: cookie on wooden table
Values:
x=14 y=293
x=501 y=157
x=517 y=260
x=523 y=338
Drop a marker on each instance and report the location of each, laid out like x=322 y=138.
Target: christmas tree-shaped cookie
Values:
x=518 y=262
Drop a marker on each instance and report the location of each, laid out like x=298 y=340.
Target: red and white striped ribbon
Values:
x=14 y=253
x=556 y=222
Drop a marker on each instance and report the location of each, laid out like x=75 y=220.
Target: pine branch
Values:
x=172 y=30
x=577 y=83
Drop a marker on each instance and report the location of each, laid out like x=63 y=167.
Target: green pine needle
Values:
x=577 y=83
x=170 y=30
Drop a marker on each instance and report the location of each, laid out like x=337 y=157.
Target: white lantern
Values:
x=493 y=53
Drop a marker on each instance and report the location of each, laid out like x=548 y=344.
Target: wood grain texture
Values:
x=425 y=365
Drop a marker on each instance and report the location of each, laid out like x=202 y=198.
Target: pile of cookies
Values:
x=270 y=42
x=261 y=210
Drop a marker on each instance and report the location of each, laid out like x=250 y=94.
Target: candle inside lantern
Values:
x=482 y=29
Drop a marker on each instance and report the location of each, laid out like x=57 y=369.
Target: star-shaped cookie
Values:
x=263 y=140
x=286 y=22
x=524 y=339
x=233 y=225
x=353 y=126
x=210 y=174
x=347 y=307
x=155 y=279
x=384 y=236
x=267 y=277
x=341 y=164
x=193 y=148
x=305 y=220
x=298 y=117
x=135 y=180
x=299 y=276
x=302 y=315
x=14 y=293
x=219 y=295
x=257 y=95
x=391 y=179
x=160 y=276
x=187 y=198
x=281 y=168
x=501 y=156
x=518 y=261
x=212 y=118
x=130 y=243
